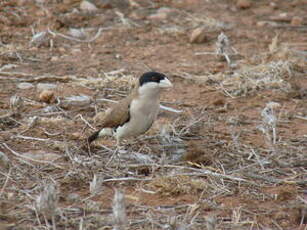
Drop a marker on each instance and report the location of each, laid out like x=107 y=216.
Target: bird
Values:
x=135 y=114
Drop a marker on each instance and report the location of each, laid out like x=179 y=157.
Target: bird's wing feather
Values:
x=119 y=113
x=116 y=116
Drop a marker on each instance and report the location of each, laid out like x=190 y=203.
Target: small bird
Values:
x=135 y=114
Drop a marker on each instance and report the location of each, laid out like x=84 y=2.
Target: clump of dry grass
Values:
x=117 y=79
x=269 y=122
x=47 y=203
x=95 y=185
x=119 y=211
x=4 y=161
x=177 y=185
x=250 y=79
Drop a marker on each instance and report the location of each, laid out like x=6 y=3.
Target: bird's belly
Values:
x=135 y=127
x=139 y=122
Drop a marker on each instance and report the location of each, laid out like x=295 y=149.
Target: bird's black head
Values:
x=154 y=77
x=151 y=77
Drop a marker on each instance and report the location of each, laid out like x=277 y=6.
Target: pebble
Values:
x=39 y=38
x=198 y=35
x=54 y=58
x=47 y=96
x=50 y=109
x=244 y=4
x=273 y=5
x=72 y=197
x=77 y=33
x=296 y=21
x=76 y=136
x=88 y=6
x=25 y=85
x=166 y=10
x=265 y=23
x=46 y=86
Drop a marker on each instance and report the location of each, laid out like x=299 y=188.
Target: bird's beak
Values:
x=165 y=83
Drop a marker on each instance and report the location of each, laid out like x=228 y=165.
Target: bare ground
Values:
x=215 y=165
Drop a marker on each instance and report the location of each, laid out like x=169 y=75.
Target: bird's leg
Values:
x=116 y=151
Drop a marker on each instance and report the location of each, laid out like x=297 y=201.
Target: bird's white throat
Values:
x=149 y=90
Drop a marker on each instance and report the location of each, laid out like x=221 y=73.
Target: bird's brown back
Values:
x=118 y=114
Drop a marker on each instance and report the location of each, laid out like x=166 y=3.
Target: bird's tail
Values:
x=93 y=137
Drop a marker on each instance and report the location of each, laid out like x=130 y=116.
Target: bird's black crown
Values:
x=151 y=77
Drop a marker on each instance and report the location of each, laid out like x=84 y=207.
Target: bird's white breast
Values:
x=143 y=112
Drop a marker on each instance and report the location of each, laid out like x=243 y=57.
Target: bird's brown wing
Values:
x=118 y=114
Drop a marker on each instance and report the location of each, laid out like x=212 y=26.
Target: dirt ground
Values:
x=232 y=153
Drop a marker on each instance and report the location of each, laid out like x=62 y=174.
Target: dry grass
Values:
x=152 y=166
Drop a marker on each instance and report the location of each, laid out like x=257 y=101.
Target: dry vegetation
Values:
x=229 y=148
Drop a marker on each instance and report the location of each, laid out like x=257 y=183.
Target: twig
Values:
x=30 y=159
x=6 y=180
x=163 y=107
x=85 y=121
x=31 y=138
x=264 y=178
x=78 y=40
x=170 y=109
x=225 y=91
x=127 y=179
x=257 y=158
x=302 y=118
x=16 y=77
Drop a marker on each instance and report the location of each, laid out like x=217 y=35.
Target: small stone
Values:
x=87 y=6
x=166 y=10
x=265 y=23
x=76 y=136
x=54 y=58
x=76 y=51
x=198 y=35
x=296 y=21
x=25 y=85
x=10 y=195
x=39 y=38
x=273 y=5
x=72 y=197
x=62 y=49
x=244 y=4
x=77 y=33
x=46 y=86
x=47 y=96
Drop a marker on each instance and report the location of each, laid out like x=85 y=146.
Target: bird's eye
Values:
x=155 y=78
